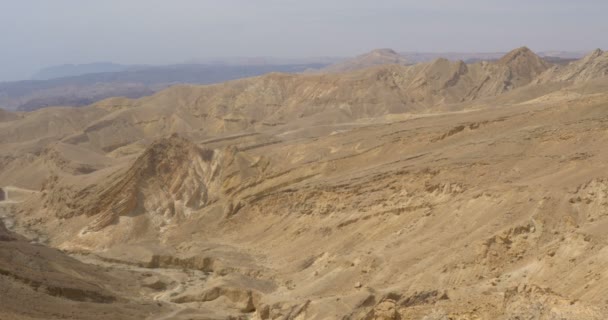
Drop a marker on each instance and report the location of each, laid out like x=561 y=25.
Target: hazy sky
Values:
x=39 y=33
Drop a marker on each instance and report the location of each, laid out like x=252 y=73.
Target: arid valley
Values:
x=376 y=190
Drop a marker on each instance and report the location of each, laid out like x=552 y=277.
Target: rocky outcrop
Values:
x=170 y=180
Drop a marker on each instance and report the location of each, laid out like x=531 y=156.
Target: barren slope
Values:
x=42 y=283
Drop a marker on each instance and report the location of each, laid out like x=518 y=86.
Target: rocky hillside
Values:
x=169 y=181
x=592 y=66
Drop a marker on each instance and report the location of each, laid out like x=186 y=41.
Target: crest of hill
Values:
x=370 y=59
x=592 y=66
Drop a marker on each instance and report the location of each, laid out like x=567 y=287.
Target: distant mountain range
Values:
x=390 y=56
x=72 y=70
x=79 y=85
x=132 y=82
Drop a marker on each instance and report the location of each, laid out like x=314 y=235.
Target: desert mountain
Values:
x=523 y=66
x=79 y=85
x=167 y=183
x=277 y=99
x=370 y=59
x=592 y=66
x=119 y=125
x=432 y=191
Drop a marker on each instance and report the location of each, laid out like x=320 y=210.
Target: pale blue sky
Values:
x=39 y=33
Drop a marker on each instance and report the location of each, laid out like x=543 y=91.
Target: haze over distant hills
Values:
x=390 y=56
x=415 y=57
x=79 y=85
x=71 y=70
x=370 y=59
x=133 y=82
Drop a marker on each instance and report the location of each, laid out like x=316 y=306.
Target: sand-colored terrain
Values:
x=435 y=191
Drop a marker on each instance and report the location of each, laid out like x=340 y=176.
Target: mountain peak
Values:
x=524 y=63
x=519 y=54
